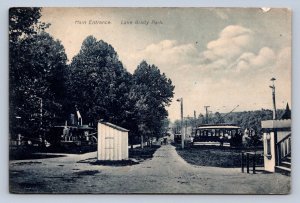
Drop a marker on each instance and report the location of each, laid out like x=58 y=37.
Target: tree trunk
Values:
x=142 y=141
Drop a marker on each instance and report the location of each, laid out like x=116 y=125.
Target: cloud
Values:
x=232 y=53
x=232 y=41
x=181 y=53
x=220 y=54
x=264 y=59
x=283 y=75
x=168 y=54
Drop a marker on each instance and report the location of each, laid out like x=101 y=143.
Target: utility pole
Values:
x=195 y=122
x=206 y=113
x=181 y=123
x=185 y=131
x=273 y=98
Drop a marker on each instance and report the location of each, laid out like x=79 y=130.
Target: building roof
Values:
x=218 y=124
x=287 y=113
x=271 y=124
x=114 y=126
x=219 y=127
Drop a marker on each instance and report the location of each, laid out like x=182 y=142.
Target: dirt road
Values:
x=165 y=173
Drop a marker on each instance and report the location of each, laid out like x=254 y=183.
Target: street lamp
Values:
x=273 y=97
x=181 y=123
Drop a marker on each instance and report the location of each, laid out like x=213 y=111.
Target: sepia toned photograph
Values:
x=150 y=100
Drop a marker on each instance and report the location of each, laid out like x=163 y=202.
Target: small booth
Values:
x=112 y=142
x=277 y=142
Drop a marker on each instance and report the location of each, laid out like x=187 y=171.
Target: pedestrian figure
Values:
x=221 y=140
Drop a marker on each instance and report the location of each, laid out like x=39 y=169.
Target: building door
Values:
x=109 y=148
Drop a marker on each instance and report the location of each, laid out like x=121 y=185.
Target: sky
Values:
x=217 y=57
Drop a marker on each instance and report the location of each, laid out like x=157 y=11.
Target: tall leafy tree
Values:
x=37 y=83
x=36 y=70
x=22 y=22
x=98 y=84
x=151 y=93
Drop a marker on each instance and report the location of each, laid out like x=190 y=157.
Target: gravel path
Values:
x=167 y=172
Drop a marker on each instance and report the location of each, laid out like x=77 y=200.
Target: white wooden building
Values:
x=112 y=142
x=277 y=140
x=277 y=144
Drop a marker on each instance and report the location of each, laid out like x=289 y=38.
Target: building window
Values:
x=268 y=138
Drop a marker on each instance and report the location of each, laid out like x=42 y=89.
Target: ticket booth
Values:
x=112 y=142
x=277 y=143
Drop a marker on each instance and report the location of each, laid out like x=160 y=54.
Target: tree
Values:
x=36 y=69
x=24 y=22
x=98 y=84
x=218 y=118
x=151 y=92
x=37 y=83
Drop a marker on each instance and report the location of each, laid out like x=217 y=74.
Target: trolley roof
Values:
x=114 y=126
x=219 y=126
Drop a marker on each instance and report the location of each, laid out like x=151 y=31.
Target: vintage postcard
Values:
x=150 y=100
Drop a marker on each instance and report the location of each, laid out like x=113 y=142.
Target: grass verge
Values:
x=214 y=156
x=143 y=154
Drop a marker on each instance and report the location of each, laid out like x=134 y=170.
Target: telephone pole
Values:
x=181 y=123
x=273 y=98
x=195 y=120
x=206 y=113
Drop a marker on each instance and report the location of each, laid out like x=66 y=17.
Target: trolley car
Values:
x=218 y=134
x=177 y=137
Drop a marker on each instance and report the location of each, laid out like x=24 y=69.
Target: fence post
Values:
x=247 y=160
x=254 y=163
x=278 y=153
x=242 y=162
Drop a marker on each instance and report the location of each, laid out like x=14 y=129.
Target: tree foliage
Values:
x=98 y=83
x=36 y=73
x=151 y=92
x=24 y=22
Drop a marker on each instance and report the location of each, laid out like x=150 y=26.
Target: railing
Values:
x=247 y=157
x=283 y=148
